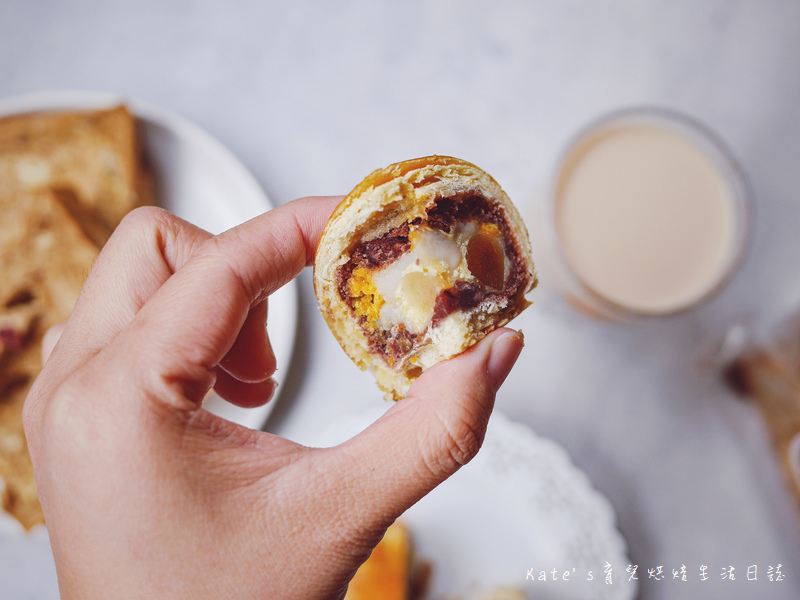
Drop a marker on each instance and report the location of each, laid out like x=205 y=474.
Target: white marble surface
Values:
x=312 y=96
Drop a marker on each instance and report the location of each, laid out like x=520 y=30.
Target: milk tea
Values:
x=646 y=217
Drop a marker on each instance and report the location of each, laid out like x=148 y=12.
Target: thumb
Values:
x=427 y=436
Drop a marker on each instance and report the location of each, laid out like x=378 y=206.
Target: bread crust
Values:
x=93 y=158
x=386 y=199
x=45 y=257
x=67 y=178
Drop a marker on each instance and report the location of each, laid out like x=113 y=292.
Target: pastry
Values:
x=419 y=262
x=91 y=158
x=67 y=178
x=504 y=593
x=46 y=257
x=769 y=375
x=386 y=573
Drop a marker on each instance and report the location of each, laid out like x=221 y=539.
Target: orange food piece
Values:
x=385 y=574
x=486 y=259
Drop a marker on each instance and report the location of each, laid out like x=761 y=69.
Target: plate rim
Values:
x=184 y=129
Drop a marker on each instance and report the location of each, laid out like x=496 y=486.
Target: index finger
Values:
x=192 y=321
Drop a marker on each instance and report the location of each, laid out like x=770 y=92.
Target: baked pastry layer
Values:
x=386 y=574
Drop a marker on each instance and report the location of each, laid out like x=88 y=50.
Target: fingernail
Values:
x=504 y=353
x=274 y=386
x=50 y=340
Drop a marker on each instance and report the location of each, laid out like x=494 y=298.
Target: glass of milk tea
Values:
x=649 y=215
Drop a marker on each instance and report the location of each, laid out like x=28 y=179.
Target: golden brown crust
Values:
x=45 y=257
x=386 y=573
x=66 y=181
x=381 y=176
x=93 y=155
x=772 y=380
x=385 y=200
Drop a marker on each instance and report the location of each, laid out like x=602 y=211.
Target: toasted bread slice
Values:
x=19 y=497
x=771 y=378
x=45 y=257
x=93 y=157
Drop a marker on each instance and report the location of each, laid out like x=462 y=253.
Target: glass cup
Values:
x=647 y=215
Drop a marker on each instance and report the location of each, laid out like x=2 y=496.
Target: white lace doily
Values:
x=520 y=508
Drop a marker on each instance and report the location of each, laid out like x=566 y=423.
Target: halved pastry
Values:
x=419 y=262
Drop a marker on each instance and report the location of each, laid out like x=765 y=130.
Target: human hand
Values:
x=146 y=495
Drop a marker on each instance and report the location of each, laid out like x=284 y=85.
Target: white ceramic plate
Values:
x=520 y=505
x=202 y=182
